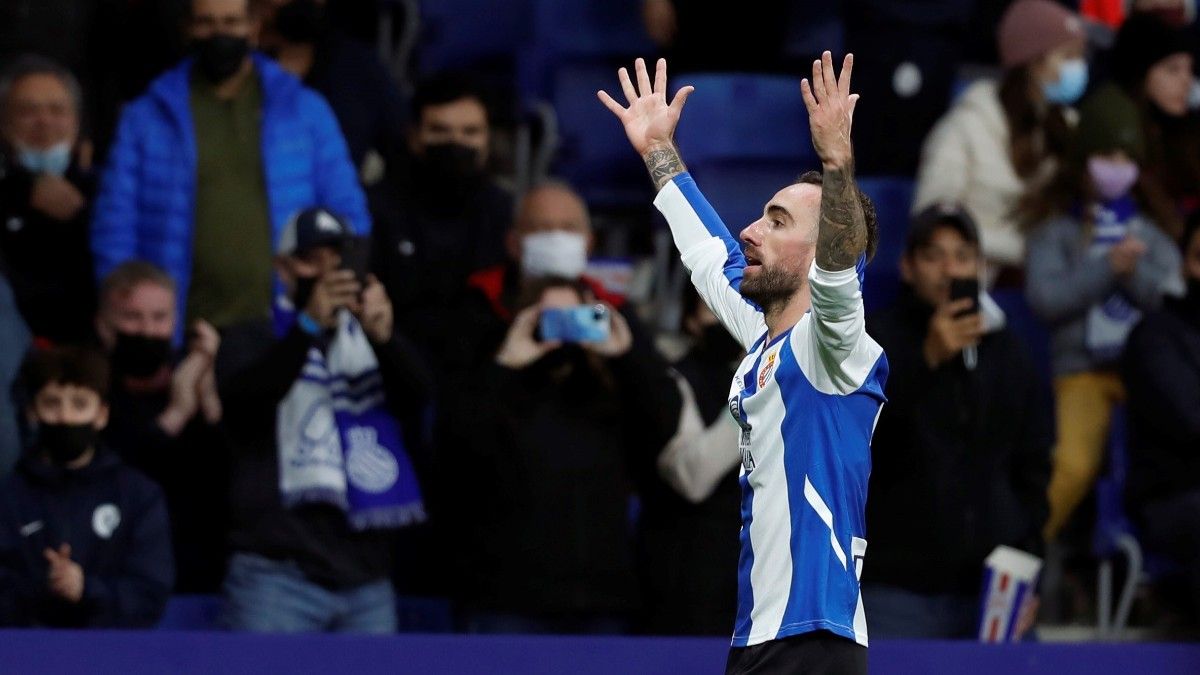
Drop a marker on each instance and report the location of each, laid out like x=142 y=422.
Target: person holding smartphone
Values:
x=542 y=431
x=961 y=456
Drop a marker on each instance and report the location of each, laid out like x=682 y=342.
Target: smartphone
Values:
x=965 y=287
x=582 y=323
x=356 y=257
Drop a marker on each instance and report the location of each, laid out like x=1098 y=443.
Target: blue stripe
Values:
x=735 y=262
x=745 y=603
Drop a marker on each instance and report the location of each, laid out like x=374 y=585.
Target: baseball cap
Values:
x=313 y=227
x=936 y=216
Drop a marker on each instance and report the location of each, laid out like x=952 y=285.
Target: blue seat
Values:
x=593 y=153
x=892 y=197
x=461 y=34
x=1114 y=535
x=744 y=137
x=1022 y=321
x=740 y=117
x=191 y=612
x=564 y=33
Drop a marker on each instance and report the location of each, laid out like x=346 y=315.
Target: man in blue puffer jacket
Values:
x=209 y=164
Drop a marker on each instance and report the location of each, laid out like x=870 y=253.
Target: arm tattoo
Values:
x=843 y=230
x=663 y=164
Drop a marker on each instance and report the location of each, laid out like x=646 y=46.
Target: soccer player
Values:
x=810 y=389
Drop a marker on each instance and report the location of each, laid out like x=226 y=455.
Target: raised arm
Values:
x=842 y=238
x=710 y=253
x=650 y=120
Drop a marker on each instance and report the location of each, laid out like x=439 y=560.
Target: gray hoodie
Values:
x=1065 y=278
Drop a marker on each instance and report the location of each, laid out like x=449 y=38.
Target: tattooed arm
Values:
x=843 y=226
x=843 y=230
x=663 y=163
x=712 y=256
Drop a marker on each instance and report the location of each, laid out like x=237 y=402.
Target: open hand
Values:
x=830 y=110
x=649 y=120
x=65 y=577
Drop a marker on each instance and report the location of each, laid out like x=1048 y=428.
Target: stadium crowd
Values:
x=269 y=319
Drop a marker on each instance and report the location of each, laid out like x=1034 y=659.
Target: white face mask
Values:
x=558 y=253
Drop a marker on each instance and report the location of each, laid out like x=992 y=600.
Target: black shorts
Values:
x=816 y=653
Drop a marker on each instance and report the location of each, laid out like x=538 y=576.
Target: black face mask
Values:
x=451 y=162
x=300 y=21
x=140 y=356
x=65 y=443
x=303 y=292
x=219 y=57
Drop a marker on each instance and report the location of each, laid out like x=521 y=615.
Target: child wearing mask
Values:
x=1002 y=139
x=84 y=539
x=1098 y=258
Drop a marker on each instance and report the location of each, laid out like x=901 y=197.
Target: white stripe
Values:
x=771 y=527
x=818 y=504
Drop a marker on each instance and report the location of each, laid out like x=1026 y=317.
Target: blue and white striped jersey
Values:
x=807 y=402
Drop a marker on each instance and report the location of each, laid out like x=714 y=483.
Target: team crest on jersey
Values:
x=767 y=369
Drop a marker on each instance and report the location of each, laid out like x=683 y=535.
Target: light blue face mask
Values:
x=53 y=160
x=1070 y=85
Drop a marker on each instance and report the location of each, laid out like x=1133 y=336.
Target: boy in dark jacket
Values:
x=84 y=540
x=961 y=455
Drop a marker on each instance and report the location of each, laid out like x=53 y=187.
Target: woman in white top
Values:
x=1002 y=138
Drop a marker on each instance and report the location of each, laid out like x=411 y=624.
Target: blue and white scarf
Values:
x=1110 y=321
x=338 y=443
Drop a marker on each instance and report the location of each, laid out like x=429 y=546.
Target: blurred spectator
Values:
x=320 y=420
x=1153 y=63
x=14 y=342
x=164 y=409
x=1162 y=373
x=707 y=36
x=208 y=165
x=952 y=476
x=348 y=73
x=1098 y=260
x=46 y=189
x=439 y=215
x=910 y=52
x=687 y=534
x=84 y=540
x=1003 y=139
x=544 y=436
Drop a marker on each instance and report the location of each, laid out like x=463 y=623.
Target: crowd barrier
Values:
x=134 y=653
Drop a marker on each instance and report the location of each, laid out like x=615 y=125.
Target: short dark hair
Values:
x=74 y=365
x=130 y=274
x=868 y=208
x=444 y=88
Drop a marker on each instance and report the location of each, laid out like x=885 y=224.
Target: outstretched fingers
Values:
x=806 y=92
x=830 y=84
x=818 y=82
x=643 y=78
x=681 y=98
x=631 y=94
x=844 y=80
x=660 y=77
x=608 y=101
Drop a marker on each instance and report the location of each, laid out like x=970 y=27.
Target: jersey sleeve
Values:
x=839 y=355
x=712 y=256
